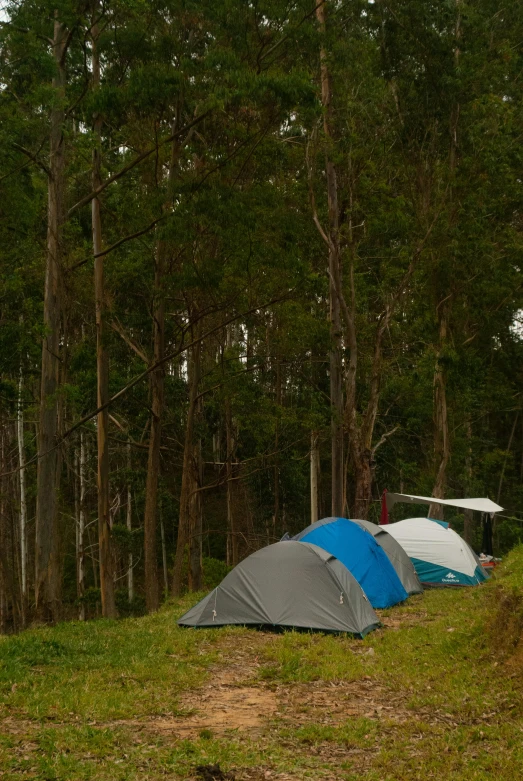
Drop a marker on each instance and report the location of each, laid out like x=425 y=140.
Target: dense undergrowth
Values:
x=506 y=601
x=442 y=685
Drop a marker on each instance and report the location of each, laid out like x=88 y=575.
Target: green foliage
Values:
x=127 y=540
x=127 y=607
x=429 y=220
x=214 y=572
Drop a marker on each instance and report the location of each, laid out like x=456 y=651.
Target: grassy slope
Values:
x=72 y=698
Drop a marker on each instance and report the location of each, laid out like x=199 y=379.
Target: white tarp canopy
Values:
x=479 y=504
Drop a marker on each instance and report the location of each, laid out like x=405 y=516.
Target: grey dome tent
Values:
x=288 y=584
x=398 y=557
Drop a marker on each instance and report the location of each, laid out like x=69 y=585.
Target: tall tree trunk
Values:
x=129 y=522
x=80 y=546
x=315 y=472
x=188 y=486
x=441 y=426
x=362 y=435
x=276 y=476
x=23 y=498
x=507 y=453
x=232 y=536
x=195 y=498
x=469 y=528
x=230 y=440
x=8 y=578
x=157 y=383
x=7 y=547
x=195 y=521
x=441 y=437
x=102 y=363
x=47 y=574
x=335 y=357
x=164 y=555
x=363 y=484
x=4 y=599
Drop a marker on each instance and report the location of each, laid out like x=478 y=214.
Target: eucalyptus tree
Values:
x=457 y=98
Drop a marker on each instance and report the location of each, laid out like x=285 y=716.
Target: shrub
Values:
x=214 y=571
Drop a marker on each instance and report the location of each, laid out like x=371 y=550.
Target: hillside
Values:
x=430 y=695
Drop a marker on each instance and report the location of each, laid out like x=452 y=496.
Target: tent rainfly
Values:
x=398 y=558
x=361 y=554
x=441 y=557
x=288 y=584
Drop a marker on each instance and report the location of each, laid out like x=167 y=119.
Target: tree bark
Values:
x=315 y=471
x=362 y=436
x=80 y=548
x=47 y=574
x=195 y=498
x=363 y=485
x=469 y=526
x=276 y=476
x=129 y=523
x=4 y=600
x=441 y=426
x=335 y=356
x=164 y=556
x=232 y=535
x=441 y=434
x=102 y=363
x=230 y=443
x=188 y=486
x=195 y=521
x=157 y=383
x=10 y=591
x=23 y=498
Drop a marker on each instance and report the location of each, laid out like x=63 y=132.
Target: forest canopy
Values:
x=260 y=261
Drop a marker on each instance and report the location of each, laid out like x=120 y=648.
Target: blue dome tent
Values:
x=357 y=549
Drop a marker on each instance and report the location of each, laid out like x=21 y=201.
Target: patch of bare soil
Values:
x=11 y=726
x=227 y=701
x=221 y=706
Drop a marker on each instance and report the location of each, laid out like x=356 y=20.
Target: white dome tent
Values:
x=440 y=556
